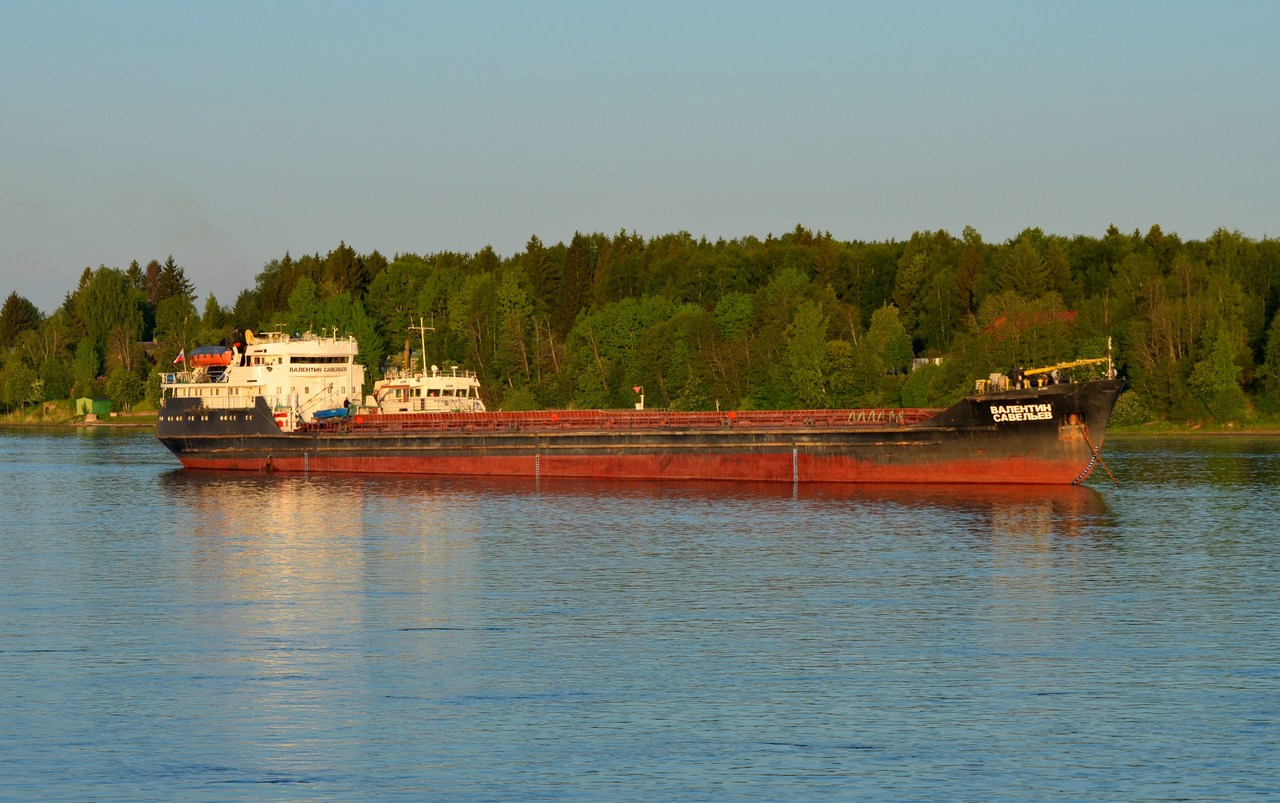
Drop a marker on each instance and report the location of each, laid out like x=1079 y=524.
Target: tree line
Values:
x=797 y=321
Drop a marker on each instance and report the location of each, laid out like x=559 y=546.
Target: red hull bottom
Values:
x=760 y=468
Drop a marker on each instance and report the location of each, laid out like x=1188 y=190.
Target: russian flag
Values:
x=181 y=357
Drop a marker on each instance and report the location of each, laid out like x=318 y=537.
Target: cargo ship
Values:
x=291 y=404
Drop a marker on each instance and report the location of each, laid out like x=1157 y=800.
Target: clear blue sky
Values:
x=225 y=133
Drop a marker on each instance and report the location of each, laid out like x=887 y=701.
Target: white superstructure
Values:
x=298 y=376
x=427 y=391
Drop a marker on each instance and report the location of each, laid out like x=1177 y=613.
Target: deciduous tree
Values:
x=807 y=355
x=889 y=339
x=1215 y=380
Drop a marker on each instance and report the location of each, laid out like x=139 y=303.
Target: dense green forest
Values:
x=801 y=320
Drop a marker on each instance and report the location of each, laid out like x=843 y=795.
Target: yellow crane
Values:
x=1036 y=377
x=1074 y=364
x=1063 y=365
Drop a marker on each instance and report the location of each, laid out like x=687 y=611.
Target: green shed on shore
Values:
x=85 y=405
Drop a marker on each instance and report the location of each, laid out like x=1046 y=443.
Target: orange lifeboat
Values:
x=209 y=357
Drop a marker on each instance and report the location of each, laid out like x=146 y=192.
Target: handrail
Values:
x=221 y=402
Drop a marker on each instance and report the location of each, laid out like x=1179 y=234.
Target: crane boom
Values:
x=1062 y=365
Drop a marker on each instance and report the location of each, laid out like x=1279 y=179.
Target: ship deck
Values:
x=623 y=420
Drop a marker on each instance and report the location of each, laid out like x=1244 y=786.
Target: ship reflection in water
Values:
x=315 y=576
x=289 y=570
x=320 y=513
x=318 y=581
x=1006 y=510
x=279 y=534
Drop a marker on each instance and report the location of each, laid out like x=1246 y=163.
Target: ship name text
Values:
x=1021 y=412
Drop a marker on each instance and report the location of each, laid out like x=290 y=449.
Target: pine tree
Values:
x=345 y=272
x=1024 y=271
x=544 y=278
x=173 y=282
x=17 y=316
x=575 y=284
x=968 y=270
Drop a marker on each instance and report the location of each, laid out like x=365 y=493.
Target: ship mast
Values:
x=422 y=330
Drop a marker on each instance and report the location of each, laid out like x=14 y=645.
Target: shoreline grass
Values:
x=61 y=414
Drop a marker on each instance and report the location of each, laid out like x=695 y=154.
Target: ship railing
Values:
x=626 y=420
x=451 y=373
x=179 y=377
x=198 y=377
x=224 y=402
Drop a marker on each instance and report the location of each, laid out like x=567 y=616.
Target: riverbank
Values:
x=1165 y=429
x=62 y=414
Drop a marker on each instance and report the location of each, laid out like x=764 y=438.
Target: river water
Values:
x=176 y=635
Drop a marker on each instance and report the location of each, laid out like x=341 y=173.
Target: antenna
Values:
x=422 y=329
